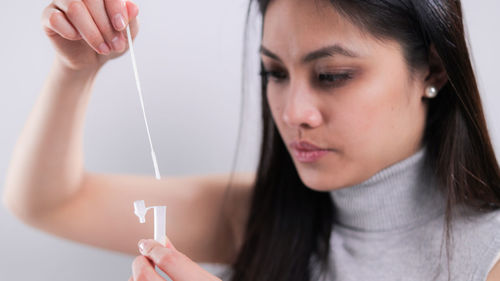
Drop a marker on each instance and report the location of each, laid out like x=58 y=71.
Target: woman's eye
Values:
x=275 y=75
x=329 y=78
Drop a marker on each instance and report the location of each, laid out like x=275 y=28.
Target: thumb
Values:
x=174 y=263
x=132 y=10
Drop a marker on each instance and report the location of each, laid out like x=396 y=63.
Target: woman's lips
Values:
x=309 y=156
x=307 y=152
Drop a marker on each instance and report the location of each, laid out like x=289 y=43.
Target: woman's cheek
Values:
x=276 y=107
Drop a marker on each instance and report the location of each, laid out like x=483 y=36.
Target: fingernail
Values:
x=119 y=22
x=104 y=49
x=118 y=44
x=143 y=248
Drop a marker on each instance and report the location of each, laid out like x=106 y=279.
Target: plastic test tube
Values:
x=160 y=214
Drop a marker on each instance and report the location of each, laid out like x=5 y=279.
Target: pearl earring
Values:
x=431 y=92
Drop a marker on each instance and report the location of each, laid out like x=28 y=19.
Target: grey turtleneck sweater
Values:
x=391 y=227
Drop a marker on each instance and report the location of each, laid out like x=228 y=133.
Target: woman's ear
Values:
x=436 y=75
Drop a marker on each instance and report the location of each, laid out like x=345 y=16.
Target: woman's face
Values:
x=355 y=98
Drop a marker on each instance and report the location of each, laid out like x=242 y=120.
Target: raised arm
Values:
x=47 y=185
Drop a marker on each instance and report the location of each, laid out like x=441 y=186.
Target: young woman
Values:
x=376 y=163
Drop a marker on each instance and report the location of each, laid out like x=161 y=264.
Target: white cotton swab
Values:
x=139 y=205
x=139 y=90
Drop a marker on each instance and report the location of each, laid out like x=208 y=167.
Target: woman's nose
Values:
x=300 y=109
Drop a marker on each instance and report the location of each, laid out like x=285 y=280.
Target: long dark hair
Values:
x=289 y=224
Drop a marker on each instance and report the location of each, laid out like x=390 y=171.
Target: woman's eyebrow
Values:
x=328 y=51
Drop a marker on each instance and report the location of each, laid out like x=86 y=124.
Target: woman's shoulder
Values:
x=475 y=225
x=476 y=240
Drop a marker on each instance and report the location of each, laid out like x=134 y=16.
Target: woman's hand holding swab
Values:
x=86 y=34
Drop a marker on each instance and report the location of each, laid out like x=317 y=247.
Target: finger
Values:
x=117 y=12
x=131 y=278
x=143 y=270
x=98 y=12
x=134 y=23
x=55 y=22
x=77 y=13
x=133 y=11
x=134 y=28
x=175 y=264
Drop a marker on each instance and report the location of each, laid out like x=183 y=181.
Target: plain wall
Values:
x=189 y=55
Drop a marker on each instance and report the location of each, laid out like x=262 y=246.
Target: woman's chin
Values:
x=324 y=175
x=321 y=183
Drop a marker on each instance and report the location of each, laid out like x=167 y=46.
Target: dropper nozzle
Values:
x=140 y=210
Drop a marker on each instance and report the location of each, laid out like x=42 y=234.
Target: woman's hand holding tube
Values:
x=87 y=33
x=175 y=264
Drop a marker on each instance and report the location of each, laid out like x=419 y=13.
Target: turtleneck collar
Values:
x=401 y=196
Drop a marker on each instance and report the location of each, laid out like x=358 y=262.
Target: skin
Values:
x=47 y=186
x=175 y=264
x=370 y=121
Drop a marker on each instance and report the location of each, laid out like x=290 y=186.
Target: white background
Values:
x=189 y=55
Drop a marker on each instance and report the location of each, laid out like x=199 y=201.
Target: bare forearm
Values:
x=46 y=167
